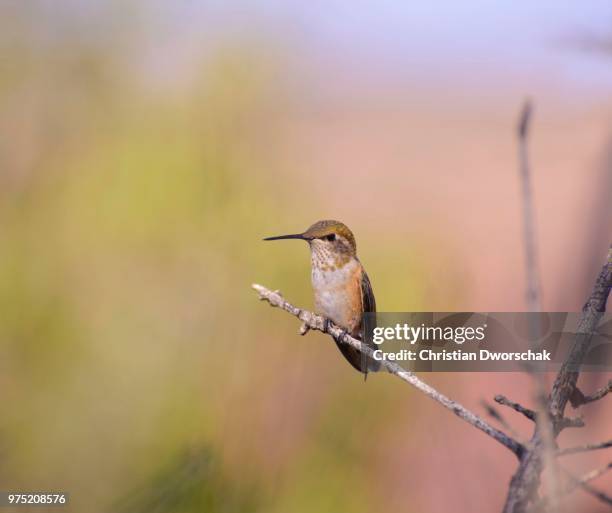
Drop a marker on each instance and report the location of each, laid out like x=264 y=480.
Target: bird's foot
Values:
x=326 y=324
x=340 y=337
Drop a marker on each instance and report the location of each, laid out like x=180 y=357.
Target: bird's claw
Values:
x=326 y=327
x=326 y=324
x=343 y=334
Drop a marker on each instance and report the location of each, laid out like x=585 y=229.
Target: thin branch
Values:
x=316 y=322
x=544 y=424
x=533 y=416
x=602 y=392
x=584 y=484
x=574 y=483
x=593 y=474
x=533 y=282
x=504 y=401
x=578 y=398
x=592 y=312
x=598 y=494
x=495 y=414
x=584 y=448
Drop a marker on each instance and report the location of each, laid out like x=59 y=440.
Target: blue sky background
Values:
x=426 y=43
x=383 y=54
x=395 y=39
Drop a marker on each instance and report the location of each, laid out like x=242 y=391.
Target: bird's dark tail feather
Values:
x=358 y=360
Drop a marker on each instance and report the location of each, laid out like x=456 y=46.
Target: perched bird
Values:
x=342 y=289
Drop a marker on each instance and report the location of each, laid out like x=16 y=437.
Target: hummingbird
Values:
x=342 y=289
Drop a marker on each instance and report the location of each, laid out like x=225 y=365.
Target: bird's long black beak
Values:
x=292 y=236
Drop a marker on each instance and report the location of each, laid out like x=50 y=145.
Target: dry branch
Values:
x=574 y=483
x=526 y=480
x=593 y=474
x=583 y=482
x=533 y=282
x=550 y=418
x=530 y=414
x=543 y=422
x=592 y=312
x=316 y=322
x=584 y=448
x=578 y=398
x=496 y=415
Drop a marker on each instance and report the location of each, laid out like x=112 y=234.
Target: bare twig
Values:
x=532 y=295
x=495 y=414
x=602 y=392
x=598 y=494
x=584 y=448
x=578 y=398
x=544 y=503
x=534 y=416
x=593 y=474
x=583 y=482
x=503 y=400
x=531 y=266
x=316 y=322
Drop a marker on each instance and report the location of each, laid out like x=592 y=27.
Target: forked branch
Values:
x=524 y=484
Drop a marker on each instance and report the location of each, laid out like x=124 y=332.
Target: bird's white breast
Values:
x=334 y=292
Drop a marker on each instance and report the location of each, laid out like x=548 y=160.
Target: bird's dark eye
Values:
x=331 y=237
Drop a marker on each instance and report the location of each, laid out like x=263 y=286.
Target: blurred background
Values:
x=145 y=150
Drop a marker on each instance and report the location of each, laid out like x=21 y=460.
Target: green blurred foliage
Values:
x=130 y=224
x=192 y=482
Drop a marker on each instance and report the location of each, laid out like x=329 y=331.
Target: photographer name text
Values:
x=458 y=335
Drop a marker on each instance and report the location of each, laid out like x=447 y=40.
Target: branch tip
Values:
x=584 y=448
x=525 y=117
x=504 y=401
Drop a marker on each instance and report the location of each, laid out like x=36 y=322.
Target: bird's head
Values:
x=326 y=237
